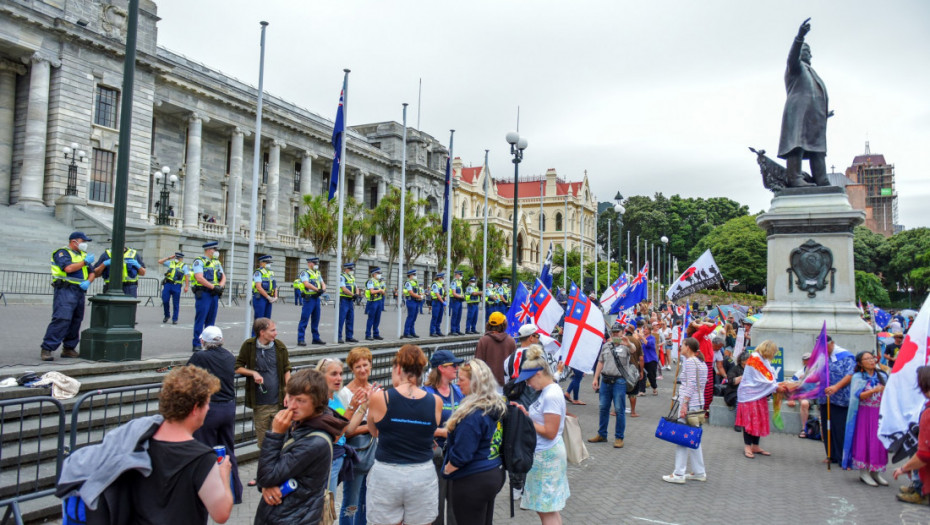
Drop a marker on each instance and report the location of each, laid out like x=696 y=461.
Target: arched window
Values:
x=542 y=222
x=558 y=222
x=463 y=208
x=478 y=212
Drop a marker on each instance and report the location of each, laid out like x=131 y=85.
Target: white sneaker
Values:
x=696 y=477
x=672 y=478
x=517 y=494
x=628 y=411
x=659 y=377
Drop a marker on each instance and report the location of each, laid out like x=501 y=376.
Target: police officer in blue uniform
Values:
x=438 y=295
x=264 y=288
x=311 y=288
x=209 y=283
x=71 y=277
x=177 y=273
x=456 y=300
x=472 y=300
x=374 y=293
x=347 y=292
x=504 y=293
x=133 y=268
x=412 y=298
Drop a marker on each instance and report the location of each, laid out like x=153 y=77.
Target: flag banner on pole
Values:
x=818 y=370
x=613 y=292
x=544 y=310
x=882 y=318
x=445 y=196
x=902 y=400
x=704 y=273
x=635 y=292
x=338 y=133
x=584 y=331
x=519 y=313
x=859 y=305
x=545 y=276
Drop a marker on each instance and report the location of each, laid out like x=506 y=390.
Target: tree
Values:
x=420 y=236
x=868 y=251
x=869 y=289
x=386 y=219
x=919 y=277
x=318 y=224
x=461 y=238
x=559 y=265
x=740 y=249
x=903 y=250
x=357 y=229
x=474 y=251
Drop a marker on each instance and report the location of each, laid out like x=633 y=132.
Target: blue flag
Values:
x=882 y=318
x=445 y=196
x=338 y=132
x=545 y=276
x=519 y=313
x=634 y=294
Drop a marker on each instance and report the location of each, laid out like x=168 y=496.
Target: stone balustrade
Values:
x=212 y=228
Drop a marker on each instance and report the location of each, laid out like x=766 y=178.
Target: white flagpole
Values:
x=419 y=103
x=450 y=211
x=403 y=194
x=247 y=327
x=595 y=251
x=581 y=250
x=542 y=224
x=342 y=192
x=484 y=266
x=628 y=253
x=565 y=245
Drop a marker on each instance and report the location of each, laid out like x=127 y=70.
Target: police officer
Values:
x=490 y=300
x=71 y=277
x=374 y=293
x=264 y=288
x=347 y=302
x=209 y=283
x=412 y=297
x=298 y=300
x=438 y=295
x=311 y=288
x=504 y=296
x=177 y=273
x=456 y=300
x=133 y=267
x=472 y=300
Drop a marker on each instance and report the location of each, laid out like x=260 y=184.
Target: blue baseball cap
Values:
x=473 y=279
x=443 y=357
x=527 y=373
x=211 y=244
x=79 y=235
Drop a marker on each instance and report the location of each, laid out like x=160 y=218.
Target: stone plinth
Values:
x=64 y=208
x=791 y=317
x=160 y=241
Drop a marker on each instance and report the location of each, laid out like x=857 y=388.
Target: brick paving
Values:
x=625 y=485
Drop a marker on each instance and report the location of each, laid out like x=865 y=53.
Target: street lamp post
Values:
x=74 y=154
x=517 y=145
x=664 y=240
x=167 y=182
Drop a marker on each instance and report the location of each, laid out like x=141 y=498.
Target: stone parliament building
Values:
x=61 y=69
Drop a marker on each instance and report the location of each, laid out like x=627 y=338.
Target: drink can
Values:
x=220 y=453
x=288 y=486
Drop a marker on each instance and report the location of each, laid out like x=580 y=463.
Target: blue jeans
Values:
x=615 y=392
x=353 y=495
x=334 y=473
x=574 y=387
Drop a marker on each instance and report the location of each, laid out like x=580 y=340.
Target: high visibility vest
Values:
x=456 y=286
x=377 y=285
x=469 y=298
x=128 y=254
x=350 y=284
x=436 y=291
x=267 y=280
x=297 y=284
x=75 y=277
x=175 y=273
x=410 y=286
x=312 y=277
x=212 y=271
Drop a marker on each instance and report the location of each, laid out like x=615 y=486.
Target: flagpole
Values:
x=581 y=249
x=565 y=245
x=596 y=284
x=637 y=252
x=484 y=261
x=247 y=327
x=419 y=104
x=542 y=223
x=403 y=214
x=342 y=186
x=628 y=252
x=450 y=213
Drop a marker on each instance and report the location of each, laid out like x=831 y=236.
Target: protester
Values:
x=919 y=462
x=650 y=358
x=842 y=366
x=752 y=411
x=298 y=448
x=528 y=335
x=891 y=350
x=472 y=462
x=353 y=508
x=546 y=488
x=863 y=449
x=219 y=426
x=404 y=419
x=700 y=331
x=666 y=332
x=636 y=357
x=495 y=346
x=332 y=371
x=798 y=377
x=574 y=387
x=720 y=373
x=444 y=368
x=690 y=397
x=610 y=382
x=734 y=378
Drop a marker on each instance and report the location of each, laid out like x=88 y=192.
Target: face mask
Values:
x=378 y=276
x=82 y=246
x=216 y=255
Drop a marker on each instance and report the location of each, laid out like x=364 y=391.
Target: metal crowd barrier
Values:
x=25 y=451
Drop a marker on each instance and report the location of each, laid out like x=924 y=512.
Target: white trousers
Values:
x=683 y=454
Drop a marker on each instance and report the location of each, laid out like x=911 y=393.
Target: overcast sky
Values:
x=645 y=96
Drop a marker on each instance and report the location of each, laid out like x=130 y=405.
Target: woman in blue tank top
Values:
x=404 y=419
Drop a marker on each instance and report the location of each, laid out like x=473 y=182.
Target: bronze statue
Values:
x=804 y=121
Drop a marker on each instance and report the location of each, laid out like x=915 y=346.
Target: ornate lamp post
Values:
x=74 y=154
x=167 y=183
x=517 y=145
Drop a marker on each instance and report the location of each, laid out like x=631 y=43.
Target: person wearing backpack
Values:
x=546 y=488
x=610 y=379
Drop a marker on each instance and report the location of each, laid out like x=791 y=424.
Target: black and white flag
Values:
x=703 y=273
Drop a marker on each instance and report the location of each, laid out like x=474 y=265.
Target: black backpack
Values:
x=812 y=428
x=518 y=442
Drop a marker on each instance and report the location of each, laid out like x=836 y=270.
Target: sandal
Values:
x=252 y=483
x=578 y=402
x=802 y=434
x=762 y=452
x=749 y=455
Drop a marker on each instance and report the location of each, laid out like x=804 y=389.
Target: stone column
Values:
x=235 y=178
x=360 y=187
x=271 y=195
x=379 y=242
x=192 y=173
x=8 y=72
x=306 y=182
x=33 y=173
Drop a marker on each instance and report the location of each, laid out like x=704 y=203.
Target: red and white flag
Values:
x=544 y=310
x=584 y=332
x=902 y=401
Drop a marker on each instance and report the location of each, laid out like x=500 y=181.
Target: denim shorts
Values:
x=412 y=501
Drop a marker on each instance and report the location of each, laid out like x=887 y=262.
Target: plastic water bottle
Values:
x=288 y=486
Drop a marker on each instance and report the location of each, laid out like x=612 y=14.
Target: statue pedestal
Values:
x=796 y=305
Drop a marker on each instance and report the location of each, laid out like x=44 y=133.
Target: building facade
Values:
x=871 y=188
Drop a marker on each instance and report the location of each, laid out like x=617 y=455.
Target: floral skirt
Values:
x=753 y=416
x=546 y=488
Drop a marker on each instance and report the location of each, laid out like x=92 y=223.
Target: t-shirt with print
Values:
x=266 y=364
x=551 y=401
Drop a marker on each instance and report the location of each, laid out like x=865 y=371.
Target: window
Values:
x=297 y=177
x=101 y=176
x=263 y=215
x=350 y=187
x=558 y=222
x=296 y=220
x=105 y=112
x=265 y=169
x=373 y=198
x=542 y=222
x=291 y=268
x=324 y=187
x=228 y=156
x=464 y=204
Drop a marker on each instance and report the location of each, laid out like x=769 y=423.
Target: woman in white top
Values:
x=353 y=492
x=691 y=381
x=546 y=488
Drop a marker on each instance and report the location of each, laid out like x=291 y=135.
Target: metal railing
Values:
x=22 y=428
